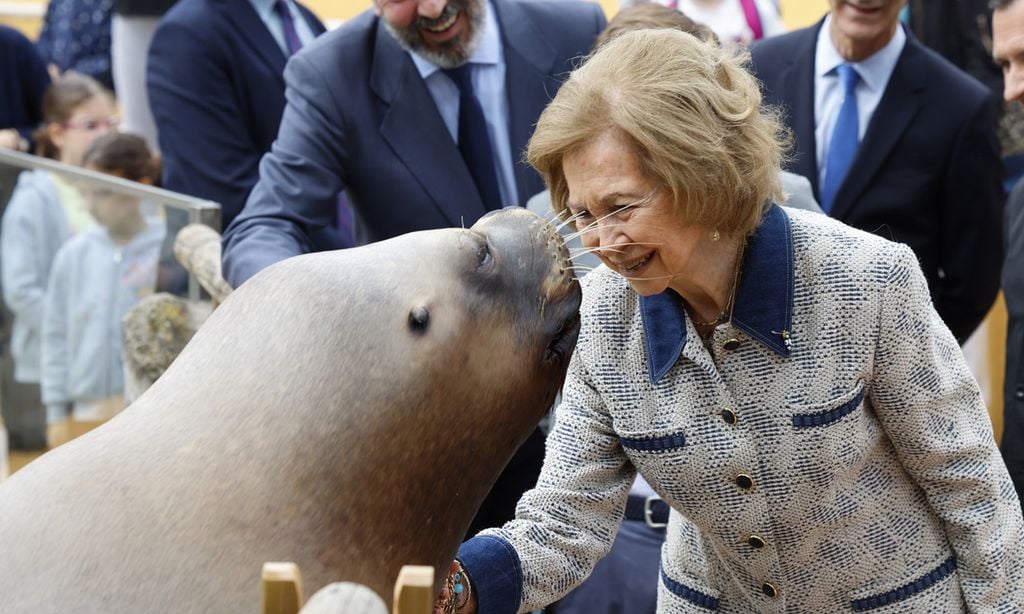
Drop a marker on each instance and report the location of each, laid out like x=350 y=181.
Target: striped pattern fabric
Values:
x=865 y=459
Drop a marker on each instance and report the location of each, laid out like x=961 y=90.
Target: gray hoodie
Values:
x=93 y=284
x=33 y=229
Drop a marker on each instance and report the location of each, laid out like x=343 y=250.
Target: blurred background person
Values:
x=25 y=79
x=1008 y=51
x=961 y=32
x=97 y=276
x=45 y=210
x=76 y=37
x=735 y=22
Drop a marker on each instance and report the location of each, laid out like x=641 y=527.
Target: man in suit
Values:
x=1008 y=51
x=381 y=109
x=371 y=111
x=216 y=87
x=917 y=159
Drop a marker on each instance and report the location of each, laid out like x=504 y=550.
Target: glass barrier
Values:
x=78 y=249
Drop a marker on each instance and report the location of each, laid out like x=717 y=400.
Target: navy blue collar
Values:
x=764 y=299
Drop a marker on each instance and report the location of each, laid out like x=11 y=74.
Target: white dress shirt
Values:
x=828 y=91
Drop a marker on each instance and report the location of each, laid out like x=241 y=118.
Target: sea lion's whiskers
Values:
x=588 y=227
x=582 y=251
x=582 y=267
x=616 y=249
x=569 y=219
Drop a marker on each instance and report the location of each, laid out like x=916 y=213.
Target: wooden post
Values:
x=282 y=588
x=414 y=590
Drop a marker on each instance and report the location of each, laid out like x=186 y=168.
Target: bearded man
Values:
x=371 y=110
x=420 y=111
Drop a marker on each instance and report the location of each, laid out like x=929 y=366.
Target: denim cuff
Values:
x=495 y=574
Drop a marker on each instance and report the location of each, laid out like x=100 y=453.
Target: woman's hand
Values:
x=456 y=595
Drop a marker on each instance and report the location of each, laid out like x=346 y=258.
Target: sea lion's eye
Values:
x=419 y=318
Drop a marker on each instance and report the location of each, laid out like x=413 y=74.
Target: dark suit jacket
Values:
x=927 y=173
x=1013 y=289
x=24 y=78
x=216 y=87
x=359 y=116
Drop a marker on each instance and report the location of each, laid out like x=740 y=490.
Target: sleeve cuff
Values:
x=495 y=573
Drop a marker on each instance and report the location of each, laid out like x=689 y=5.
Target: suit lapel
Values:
x=529 y=86
x=413 y=128
x=798 y=77
x=901 y=101
x=242 y=17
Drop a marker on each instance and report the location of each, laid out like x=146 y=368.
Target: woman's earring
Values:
x=715 y=235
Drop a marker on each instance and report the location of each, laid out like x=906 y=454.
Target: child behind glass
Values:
x=96 y=278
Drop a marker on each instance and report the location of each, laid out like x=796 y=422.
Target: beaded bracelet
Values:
x=459 y=591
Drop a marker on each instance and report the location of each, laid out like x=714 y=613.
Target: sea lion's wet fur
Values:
x=306 y=421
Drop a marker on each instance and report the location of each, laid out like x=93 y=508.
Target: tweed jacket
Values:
x=839 y=458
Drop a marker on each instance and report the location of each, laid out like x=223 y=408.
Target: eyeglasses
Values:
x=91 y=125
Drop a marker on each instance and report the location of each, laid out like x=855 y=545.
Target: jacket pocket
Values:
x=922 y=592
x=654 y=443
x=669 y=459
x=831 y=439
x=703 y=598
x=831 y=412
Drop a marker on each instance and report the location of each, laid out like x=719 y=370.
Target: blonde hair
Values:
x=692 y=113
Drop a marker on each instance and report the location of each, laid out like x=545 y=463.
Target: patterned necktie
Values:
x=473 y=139
x=291 y=37
x=845 y=138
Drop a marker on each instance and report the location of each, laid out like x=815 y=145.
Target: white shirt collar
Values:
x=874 y=71
x=489 y=51
x=264 y=8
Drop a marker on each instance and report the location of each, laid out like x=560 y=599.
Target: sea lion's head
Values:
x=511 y=298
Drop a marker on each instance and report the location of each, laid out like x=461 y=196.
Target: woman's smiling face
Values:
x=635 y=225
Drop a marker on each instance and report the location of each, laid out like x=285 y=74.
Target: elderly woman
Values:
x=780 y=379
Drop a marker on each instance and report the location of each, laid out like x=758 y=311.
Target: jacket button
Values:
x=731 y=343
x=769 y=589
x=756 y=542
x=744 y=481
x=1019 y=394
x=729 y=416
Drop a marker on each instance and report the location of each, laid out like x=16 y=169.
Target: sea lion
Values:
x=345 y=410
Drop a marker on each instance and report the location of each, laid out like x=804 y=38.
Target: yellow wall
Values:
x=28 y=24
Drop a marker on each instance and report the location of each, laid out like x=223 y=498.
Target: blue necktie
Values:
x=473 y=139
x=291 y=37
x=845 y=138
